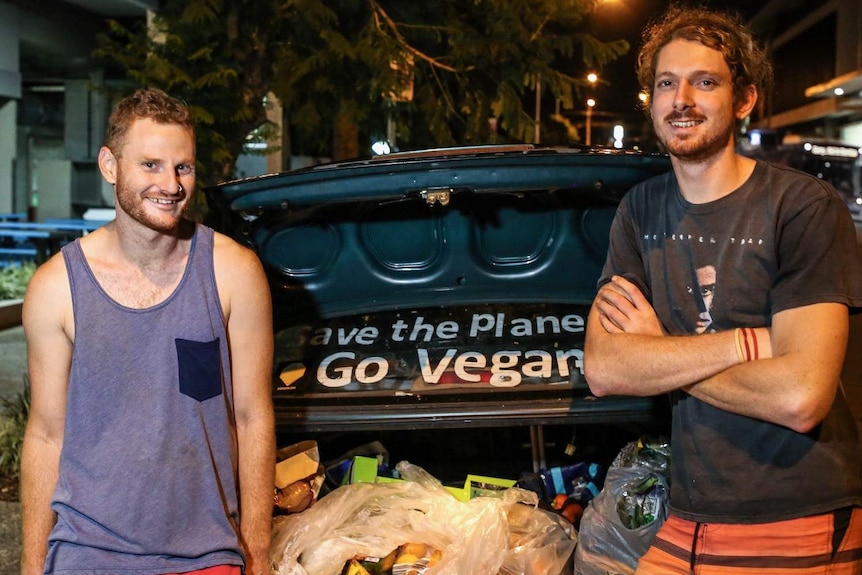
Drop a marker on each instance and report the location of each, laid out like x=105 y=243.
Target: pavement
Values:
x=13 y=362
x=10 y=538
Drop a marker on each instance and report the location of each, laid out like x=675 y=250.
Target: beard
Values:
x=134 y=206
x=695 y=147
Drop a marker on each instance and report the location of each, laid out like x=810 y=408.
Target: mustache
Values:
x=684 y=117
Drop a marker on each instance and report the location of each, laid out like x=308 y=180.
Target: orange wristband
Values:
x=755 y=352
x=749 y=349
x=737 y=337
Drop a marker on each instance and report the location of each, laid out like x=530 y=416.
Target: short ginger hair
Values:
x=150 y=103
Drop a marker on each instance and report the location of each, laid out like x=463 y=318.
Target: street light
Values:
x=643 y=96
x=592 y=78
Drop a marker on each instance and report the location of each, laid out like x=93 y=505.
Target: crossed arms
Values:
x=792 y=384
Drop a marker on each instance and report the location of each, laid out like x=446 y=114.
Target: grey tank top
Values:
x=147 y=479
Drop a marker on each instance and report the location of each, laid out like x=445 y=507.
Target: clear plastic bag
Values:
x=540 y=542
x=482 y=536
x=620 y=523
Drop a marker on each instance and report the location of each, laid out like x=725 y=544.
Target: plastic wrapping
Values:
x=621 y=522
x=540 y=542
x=482 y=536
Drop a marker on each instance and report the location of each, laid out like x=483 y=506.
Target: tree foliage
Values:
x=216 y=55
x=335 y=65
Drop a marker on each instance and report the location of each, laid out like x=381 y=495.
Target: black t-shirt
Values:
x=784 y=239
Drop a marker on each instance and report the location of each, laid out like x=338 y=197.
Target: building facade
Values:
x=816 y=49
x=52 y=117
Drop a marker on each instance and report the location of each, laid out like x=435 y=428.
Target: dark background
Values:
x=626 y=19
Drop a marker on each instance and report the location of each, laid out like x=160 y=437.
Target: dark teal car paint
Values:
x=441 y=288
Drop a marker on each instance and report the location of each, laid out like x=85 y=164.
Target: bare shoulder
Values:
x=238 y=271
x=48 y=300
x=49 y=280
x=231 y=257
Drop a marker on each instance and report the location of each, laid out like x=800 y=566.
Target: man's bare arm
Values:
x=796 y=387
x=792 y=383
x=46 y=318
x=627 y=353
x=251 y=346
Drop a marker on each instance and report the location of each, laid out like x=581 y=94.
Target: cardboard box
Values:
x=296 y=462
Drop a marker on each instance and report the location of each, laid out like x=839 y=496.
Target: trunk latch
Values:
x=439 y=196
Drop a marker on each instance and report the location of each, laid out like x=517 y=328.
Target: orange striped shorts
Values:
x=828 y=544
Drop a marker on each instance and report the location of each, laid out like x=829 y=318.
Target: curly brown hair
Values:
x=722 y=31
x=150 y=103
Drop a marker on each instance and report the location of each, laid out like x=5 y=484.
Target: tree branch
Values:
x=535 y=36
x=379 y=13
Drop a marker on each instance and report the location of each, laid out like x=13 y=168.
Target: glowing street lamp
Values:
x=643 y=97
x=592 y=78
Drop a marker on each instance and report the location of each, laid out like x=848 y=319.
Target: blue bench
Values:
x=83 y=227
x=33 y=241
x=78 y=223
x=15 y=253
x=38 y=241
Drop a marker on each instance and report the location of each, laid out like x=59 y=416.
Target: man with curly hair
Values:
x=766 y=472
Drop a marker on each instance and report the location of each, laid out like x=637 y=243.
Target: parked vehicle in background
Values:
x=839 y=163
x=439 y=289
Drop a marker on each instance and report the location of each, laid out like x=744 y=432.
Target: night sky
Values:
x=627 y=19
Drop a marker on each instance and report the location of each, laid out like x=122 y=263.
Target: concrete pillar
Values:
x=10 y=92
x=10 y=76
x=8 y=127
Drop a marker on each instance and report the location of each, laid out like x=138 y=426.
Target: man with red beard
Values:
x=149 y=446
x=765 y=468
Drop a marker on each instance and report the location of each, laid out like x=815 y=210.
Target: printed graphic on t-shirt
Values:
x=652 y=240
x=704 y=291
x=703 y=273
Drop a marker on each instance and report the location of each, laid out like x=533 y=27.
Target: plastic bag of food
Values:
x=540 y=542
x=620 y=523
x=372 y=520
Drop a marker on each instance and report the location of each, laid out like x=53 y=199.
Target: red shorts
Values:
x=828 y=544
x=217 y=570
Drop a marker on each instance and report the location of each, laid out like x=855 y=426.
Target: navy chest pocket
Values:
x=199 y=364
